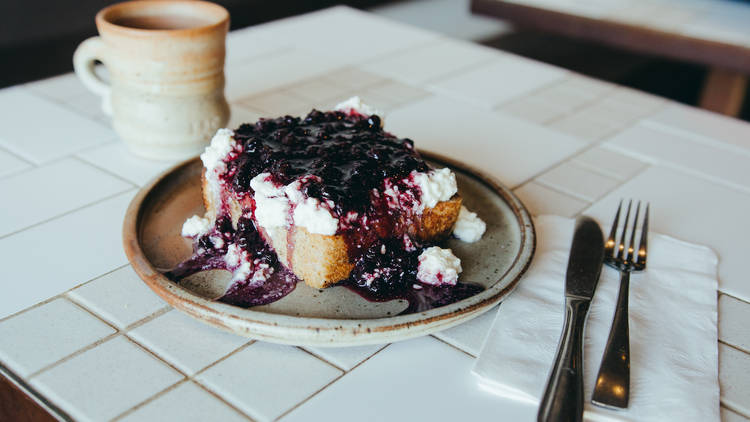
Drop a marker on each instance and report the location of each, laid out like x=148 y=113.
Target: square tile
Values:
x=317 y=89
x=250 y=43
x=53 y=189
x=61 y=88
x=734 y=366
x=10 y=164
x=426 y=62
x=608 y=162
x=269 y=73
x=62 y=132
x=609 y=114
x=451 y=17
x=90 y=105
x=508 y=148
x=659 y=144
x=117 y=159
x=733 y=327
x=498 y=81
x=276 y=103
x=422 y=379
x=119 y=297
x=187 y=402
x=356 y=35
x=558 y=99
x=265 y=380
x=714 y=220
x=541 y=200
x=470 y=335
x=346 y=358
x=105 y=381
x=43 y=335
x=388 y=95
x=713 y=127
x=353 y=78
x=184 y=342
x=63 y=253
x=731 y=416
x=577 y=181
x=533 y=109
x=588 y=125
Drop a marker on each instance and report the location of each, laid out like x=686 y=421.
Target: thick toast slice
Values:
x=323 y=260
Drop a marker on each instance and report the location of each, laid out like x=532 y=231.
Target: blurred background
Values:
x=38 y=37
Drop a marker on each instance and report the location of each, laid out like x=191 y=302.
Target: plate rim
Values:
x=299 y=330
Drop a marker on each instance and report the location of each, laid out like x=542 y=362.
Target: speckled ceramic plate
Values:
x=335 y=316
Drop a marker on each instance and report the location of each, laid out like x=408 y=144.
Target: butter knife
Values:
x=563 y=398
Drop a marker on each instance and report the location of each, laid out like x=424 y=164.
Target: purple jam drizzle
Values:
x=351 y=157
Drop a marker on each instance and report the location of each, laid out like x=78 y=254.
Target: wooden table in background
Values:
x=714 y=33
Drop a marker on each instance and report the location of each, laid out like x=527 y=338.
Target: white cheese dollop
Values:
x=221 y=144
x=436 y=186
x=213 y=160
x=438 y=266
x=469 y=227
x=358 y=106
x=312 y=215
x=196 y=226
x=271 y=203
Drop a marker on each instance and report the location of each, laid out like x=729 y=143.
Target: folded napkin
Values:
x=673 y=334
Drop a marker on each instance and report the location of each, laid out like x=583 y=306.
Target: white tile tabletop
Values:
x=265 y=380
x=184 y=342
x=79 y=327
x=103 y=382
x=119 y=297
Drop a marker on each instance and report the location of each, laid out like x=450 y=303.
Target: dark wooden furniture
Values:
x=724 y=88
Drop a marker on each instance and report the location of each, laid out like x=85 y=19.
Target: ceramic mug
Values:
x=165 y=61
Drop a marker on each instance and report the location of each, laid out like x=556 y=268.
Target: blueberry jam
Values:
x=207 y=255
x=349 y=153
x=361 y=172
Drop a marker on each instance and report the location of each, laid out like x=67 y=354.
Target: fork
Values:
x=612 y=388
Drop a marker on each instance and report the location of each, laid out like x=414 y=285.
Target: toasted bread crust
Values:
x=323 y=260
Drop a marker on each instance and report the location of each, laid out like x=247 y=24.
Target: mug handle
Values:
x=84 y=59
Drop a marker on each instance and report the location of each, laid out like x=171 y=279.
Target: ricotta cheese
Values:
x=469 y=227
x=438 y=266
x=436 y=186
x=195 y=226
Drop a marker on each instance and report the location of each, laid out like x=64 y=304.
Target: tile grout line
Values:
x=223 y=358
x=69 y=212
x=100 y=168
x=64 y=103
x=186 y=378
x=149 y=399
x=74 y=354
x=221 y=399
x=745 y=301
x=329 y=384
x=37 y=397
x=734 y=409
x=344 y=371
x=737 y=348
x=453 y=346
x=701 y=175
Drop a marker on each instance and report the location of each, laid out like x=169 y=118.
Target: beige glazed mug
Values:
x=165 y=61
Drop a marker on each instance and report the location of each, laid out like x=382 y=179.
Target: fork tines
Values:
x=615 y=251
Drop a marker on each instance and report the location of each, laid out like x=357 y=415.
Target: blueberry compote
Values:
x=354 y=162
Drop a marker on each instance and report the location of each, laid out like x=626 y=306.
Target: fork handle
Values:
x=612 y=388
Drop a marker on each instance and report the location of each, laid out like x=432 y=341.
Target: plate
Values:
x=334 y=316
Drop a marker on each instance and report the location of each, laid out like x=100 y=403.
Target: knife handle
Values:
x=563 y=399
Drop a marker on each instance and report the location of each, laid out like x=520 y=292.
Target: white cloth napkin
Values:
x=673 y=334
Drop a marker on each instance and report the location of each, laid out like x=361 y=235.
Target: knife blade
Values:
x=563 y=397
